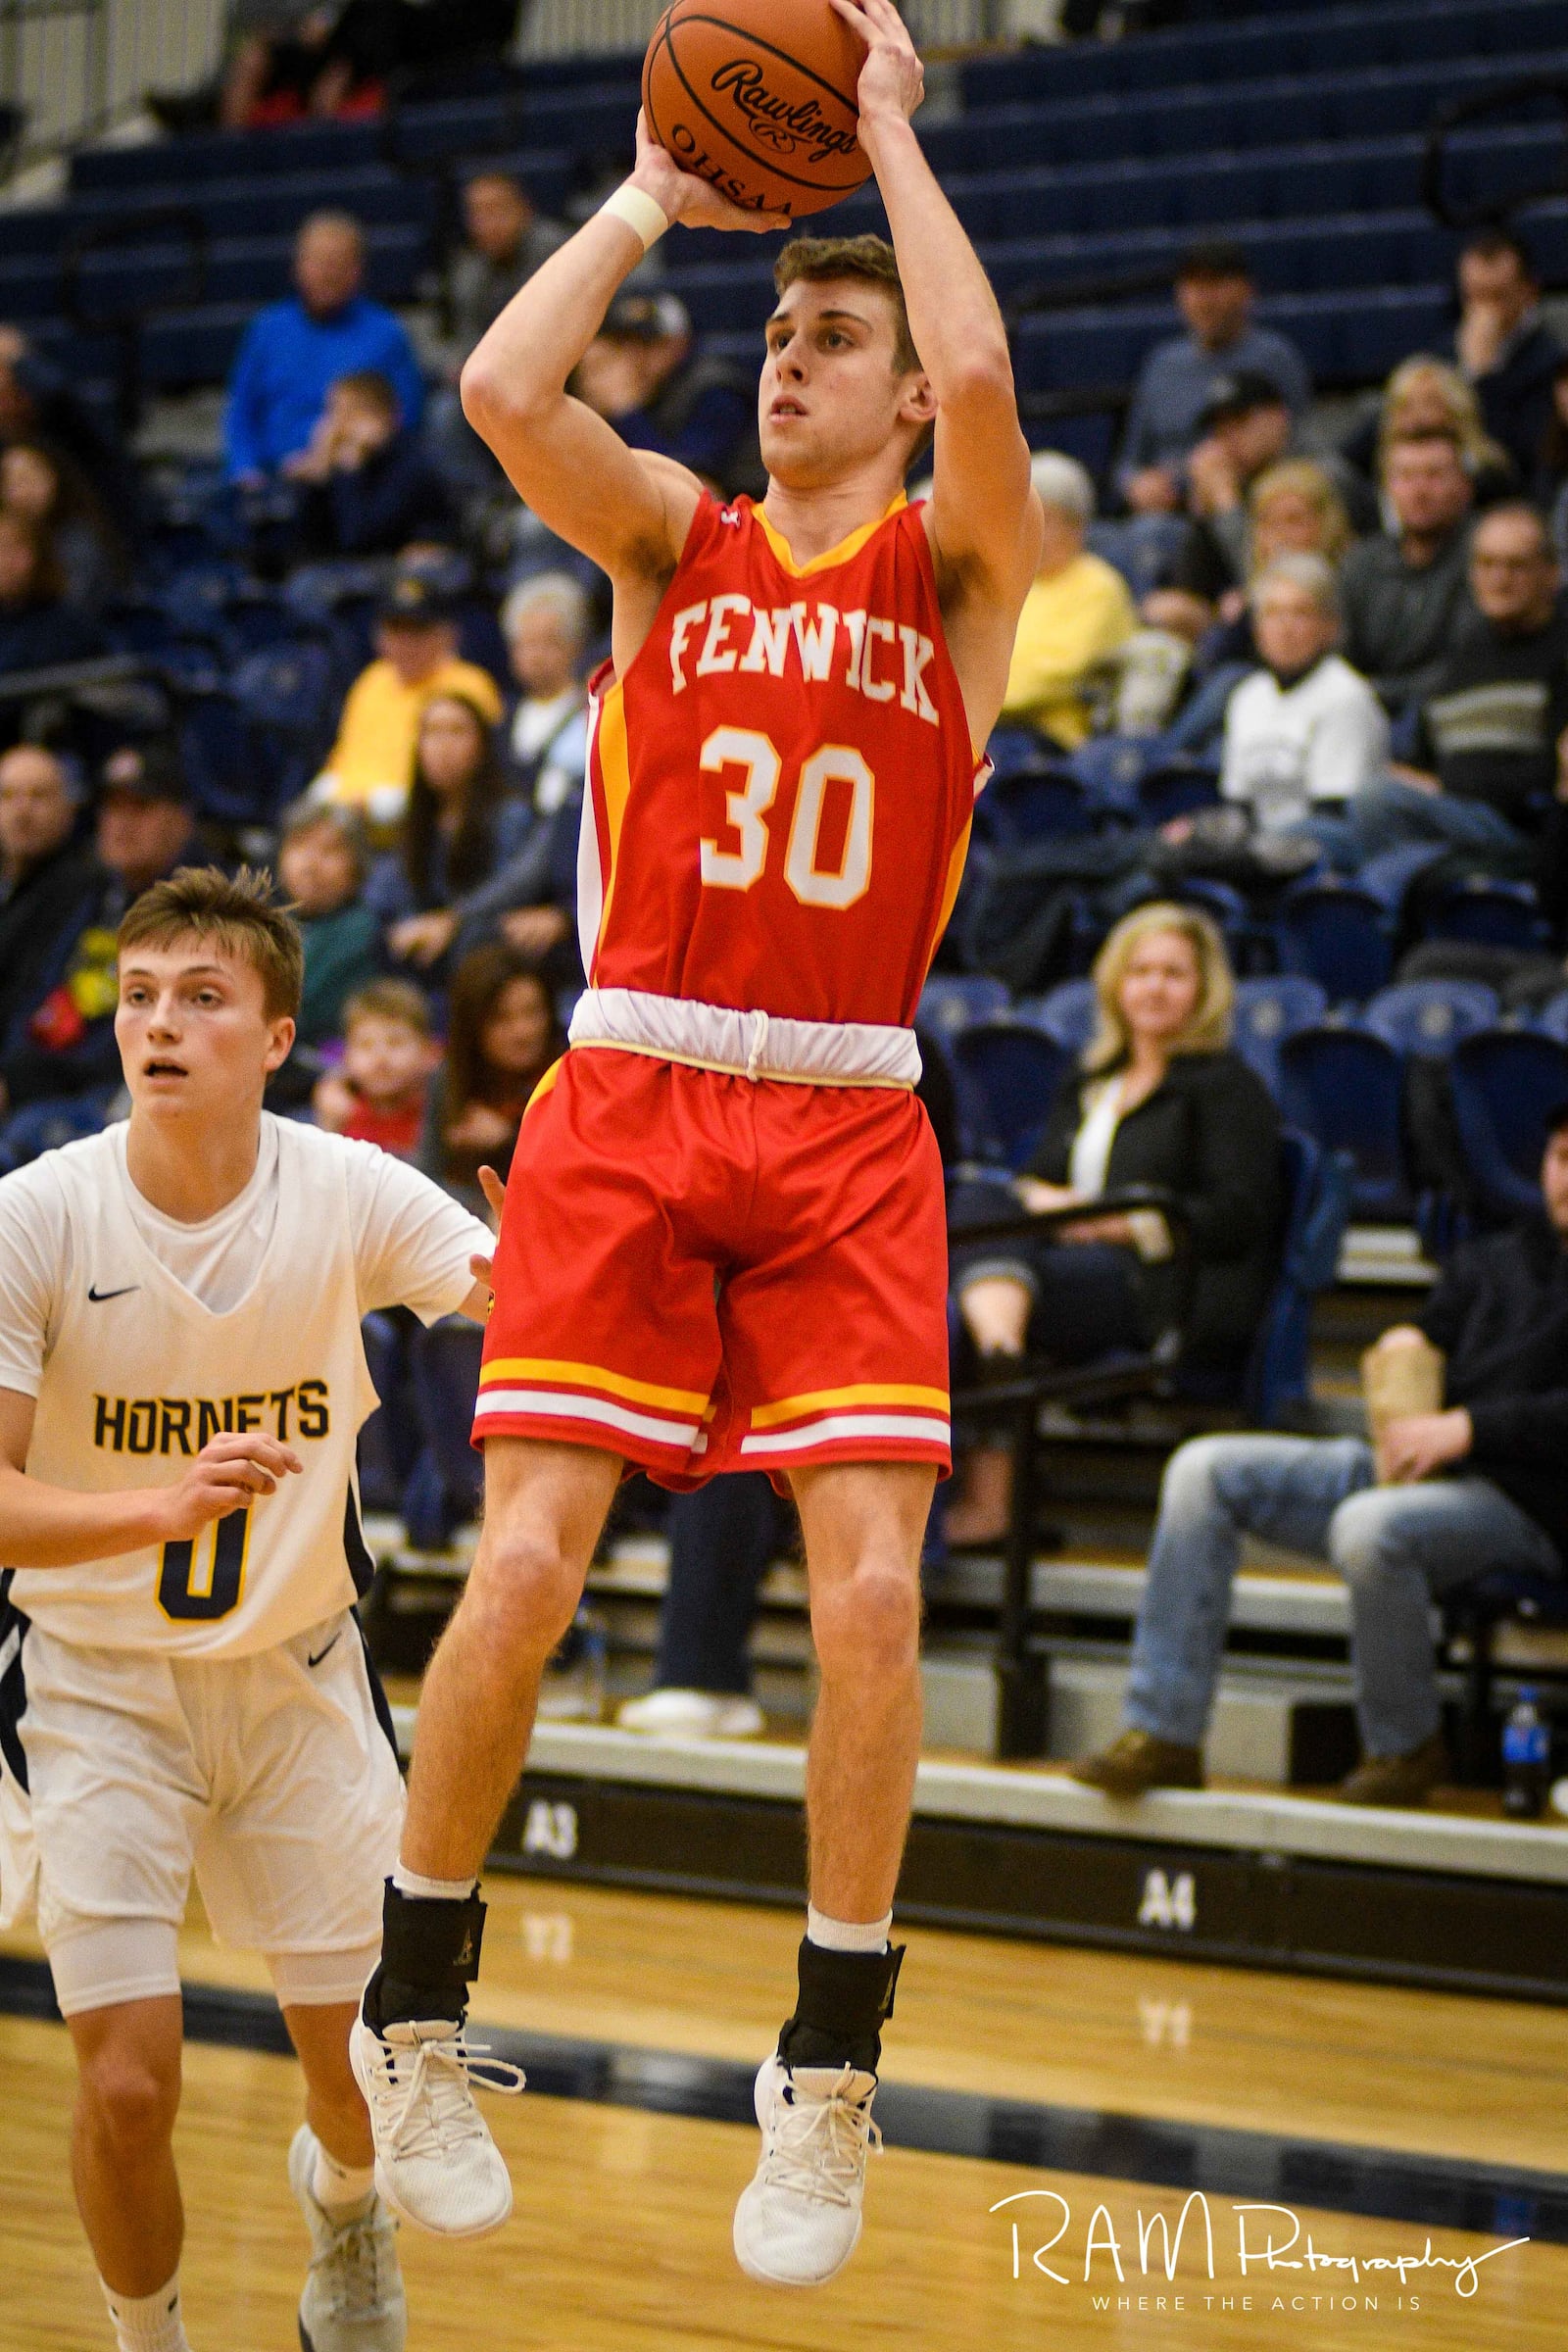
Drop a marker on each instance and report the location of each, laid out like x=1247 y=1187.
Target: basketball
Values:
x=759 y=97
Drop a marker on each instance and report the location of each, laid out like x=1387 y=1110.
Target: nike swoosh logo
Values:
x=325 y=1653
x=98 y=1297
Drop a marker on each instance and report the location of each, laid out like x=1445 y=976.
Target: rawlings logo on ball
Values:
x=773 y=119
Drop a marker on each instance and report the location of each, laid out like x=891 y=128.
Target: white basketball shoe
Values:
x=435 y=2161
x=799 y=2220
x=353 y=2299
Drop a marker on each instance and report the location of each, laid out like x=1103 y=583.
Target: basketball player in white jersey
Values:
x=182 y=1684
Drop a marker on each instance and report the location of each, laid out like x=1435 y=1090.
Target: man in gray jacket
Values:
x=1405 y=594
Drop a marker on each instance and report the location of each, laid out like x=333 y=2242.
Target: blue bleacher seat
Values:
x=951 y=1000
x=286 y=695
x=1068 y=1013
x=1277 y=1387
x=1031 y=803
x=1491 y=912
x=1343 y=1086
x=1270 y=1010
x=1337 y=933
x=1553 y=1018
x=1430 y=1016
x=1175 y=788
x=1011 y=1070
x=1507 y=1082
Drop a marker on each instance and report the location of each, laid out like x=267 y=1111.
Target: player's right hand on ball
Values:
x=683 y=196
x=230 y=1472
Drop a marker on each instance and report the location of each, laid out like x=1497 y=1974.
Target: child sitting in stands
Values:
x=321 y=866
x=377 y=1093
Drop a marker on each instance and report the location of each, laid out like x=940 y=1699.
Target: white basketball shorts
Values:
x=270 y=1776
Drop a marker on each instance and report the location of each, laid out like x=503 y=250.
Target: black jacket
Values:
x=1499 y=1312
x=1210 y=1135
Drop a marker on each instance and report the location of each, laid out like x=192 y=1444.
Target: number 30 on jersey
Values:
x=739 y=866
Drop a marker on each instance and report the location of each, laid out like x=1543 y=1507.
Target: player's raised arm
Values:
x=630 y=513
x=985 y=519
x=56 y=1527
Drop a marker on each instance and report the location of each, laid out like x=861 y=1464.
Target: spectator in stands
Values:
x=1405 y=592
x=643 y=372
x=502 y=1036
x=295 y=350
x=1076 y=614
x=1247 y=430
x=377 y=1092
x=1304 y=735
x=1425 y=396
x=416 y=657
x=1159 y=1098
x=1446 y=1496
x=1483 y=770
x=1552 y=469
x=1503 y=344
x=1293 y=509
x=58 y=1064
x=47 y=873
x=38 y=628
x=545 y=620
x=460 y=825
x=50 y=491
x=39 y=404
x=277 y=53
x=368 y=486
x=1215 y=294
x=322 y=863
x=506 y=240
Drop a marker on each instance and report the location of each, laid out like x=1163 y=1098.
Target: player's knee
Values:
x=868 y=1627
x=130 y=2100
x=525 y=1589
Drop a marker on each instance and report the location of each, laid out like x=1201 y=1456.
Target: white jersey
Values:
x=135 y=1372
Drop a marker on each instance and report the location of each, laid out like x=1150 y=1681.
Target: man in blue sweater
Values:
x=295 y=349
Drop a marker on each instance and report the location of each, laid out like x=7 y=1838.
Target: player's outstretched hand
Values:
x=892 y=79
x=682 y=196
x=495 y=1192
x=230 y=1472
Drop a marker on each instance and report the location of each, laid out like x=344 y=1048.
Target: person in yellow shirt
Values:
x=371 y=762
x=1076 y=614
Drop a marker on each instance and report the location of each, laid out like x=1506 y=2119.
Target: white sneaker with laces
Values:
x=353 y=2299
x=799 y=2220
x=692 y=1715
x=435 y=2161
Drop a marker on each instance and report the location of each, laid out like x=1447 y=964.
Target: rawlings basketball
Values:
x=759 y=97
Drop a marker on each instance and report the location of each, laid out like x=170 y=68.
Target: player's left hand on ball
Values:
x=682 y=196
x=892 y=79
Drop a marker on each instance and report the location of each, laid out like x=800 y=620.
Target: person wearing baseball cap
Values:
x=371 y=762
x=1215 y=294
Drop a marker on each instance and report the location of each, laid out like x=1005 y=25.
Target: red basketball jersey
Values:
x=782 y=785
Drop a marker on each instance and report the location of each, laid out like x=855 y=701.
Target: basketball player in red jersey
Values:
x=723 y=1242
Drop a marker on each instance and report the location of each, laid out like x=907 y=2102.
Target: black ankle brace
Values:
x=845 y=2000
x=430 y=1957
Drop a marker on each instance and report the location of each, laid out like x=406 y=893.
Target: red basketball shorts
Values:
x=704 y=1273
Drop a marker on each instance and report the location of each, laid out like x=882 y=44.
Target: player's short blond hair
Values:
x=239 y=912
x=811 y=260
x=1208 y=1031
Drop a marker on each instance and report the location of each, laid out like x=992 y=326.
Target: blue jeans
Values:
x=1389 y=813
x=1397 y=1548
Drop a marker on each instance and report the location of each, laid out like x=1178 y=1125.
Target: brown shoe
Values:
x=1398 y=1780
x=1137 y=1762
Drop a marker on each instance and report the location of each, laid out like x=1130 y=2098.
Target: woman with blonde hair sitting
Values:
x=1158 y=1098
x=1427 y=395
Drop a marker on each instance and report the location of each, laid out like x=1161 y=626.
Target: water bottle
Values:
x=1525 y=1759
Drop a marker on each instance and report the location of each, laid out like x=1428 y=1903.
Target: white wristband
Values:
x=646 y=218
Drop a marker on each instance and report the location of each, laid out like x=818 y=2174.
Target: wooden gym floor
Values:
x=621 y=2242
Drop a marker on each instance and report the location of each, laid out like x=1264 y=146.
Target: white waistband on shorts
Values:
x=746 y=1045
